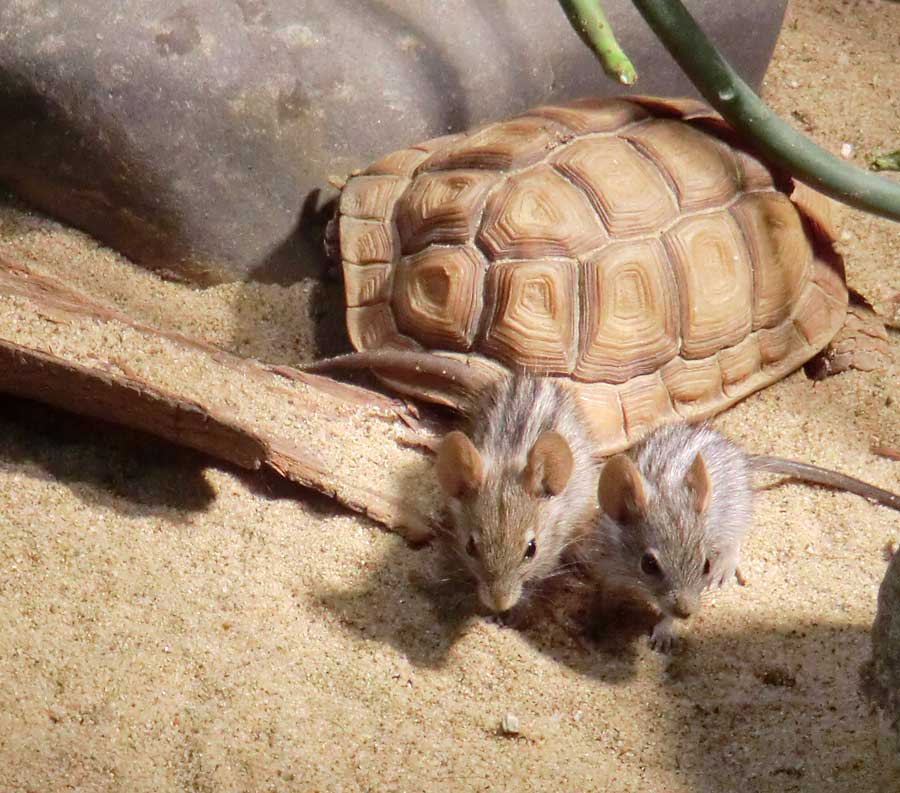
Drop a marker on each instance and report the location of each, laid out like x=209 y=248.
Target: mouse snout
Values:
x=685 y=604
x=499 y=597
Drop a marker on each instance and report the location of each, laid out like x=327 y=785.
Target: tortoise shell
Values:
x=631 y=247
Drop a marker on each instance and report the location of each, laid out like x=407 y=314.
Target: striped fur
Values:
x=671 y=527
x=501 y=518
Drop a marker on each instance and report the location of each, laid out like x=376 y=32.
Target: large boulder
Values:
x=881 y=676
x=198 y=136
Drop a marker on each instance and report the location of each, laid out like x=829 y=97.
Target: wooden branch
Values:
x=887 y=452
x=62 y=348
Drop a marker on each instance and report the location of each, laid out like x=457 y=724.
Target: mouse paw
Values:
x=726 y=569
x=520 y=617
x=664 y=638
x=721 y=580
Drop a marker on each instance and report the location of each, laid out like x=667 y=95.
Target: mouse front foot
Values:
x=520 y=617
x=725 y=570
x=664 y=636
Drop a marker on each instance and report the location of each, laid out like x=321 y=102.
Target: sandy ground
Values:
x=167 y=624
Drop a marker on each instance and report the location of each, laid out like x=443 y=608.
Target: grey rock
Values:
x=198 y=136
x=881 y=675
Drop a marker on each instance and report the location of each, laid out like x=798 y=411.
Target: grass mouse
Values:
x=674 y=512
x=519 y=477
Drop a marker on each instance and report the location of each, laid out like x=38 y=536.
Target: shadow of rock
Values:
x=302 y=253
x=102 y=464
x=292 y=310
x=773 y=709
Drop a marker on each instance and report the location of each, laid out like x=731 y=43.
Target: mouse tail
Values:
x=825 y=477
x=436 y=378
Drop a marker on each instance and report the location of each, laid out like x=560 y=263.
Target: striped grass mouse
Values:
x=518 y=477
x=674 y=512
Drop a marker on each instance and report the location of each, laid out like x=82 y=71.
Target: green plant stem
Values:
x=744 y=110
x=590 y=23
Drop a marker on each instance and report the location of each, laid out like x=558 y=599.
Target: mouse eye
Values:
x=649 y=564
x=706 y=567
x=470 y=547
x=531 y=549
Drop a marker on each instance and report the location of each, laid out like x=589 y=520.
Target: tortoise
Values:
x=633 y=247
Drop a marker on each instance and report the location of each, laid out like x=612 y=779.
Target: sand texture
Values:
x=168 y=623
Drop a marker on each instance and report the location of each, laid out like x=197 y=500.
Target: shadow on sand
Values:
x=767 y=708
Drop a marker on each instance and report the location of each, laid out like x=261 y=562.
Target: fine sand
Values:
x=169 y=624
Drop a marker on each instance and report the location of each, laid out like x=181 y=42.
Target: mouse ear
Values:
x=549 y=465
x=621 y=490
x=697 y=482
x=458 y=466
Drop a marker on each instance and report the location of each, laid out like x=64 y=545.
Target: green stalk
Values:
x=590 y=23
x=744 y=110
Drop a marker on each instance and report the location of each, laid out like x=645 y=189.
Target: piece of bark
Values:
x=892 y=320
x=59 y=347
x=887 y=452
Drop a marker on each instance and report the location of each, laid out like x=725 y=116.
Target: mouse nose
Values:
x=499 y=599
x=685 y=604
